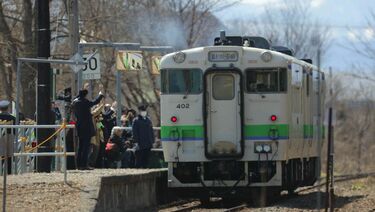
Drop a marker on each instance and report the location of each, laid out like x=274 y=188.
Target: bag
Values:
x=110 y=147
x=112 y=151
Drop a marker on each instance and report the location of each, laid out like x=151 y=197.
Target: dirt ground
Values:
x=39 y=192
x=47 y=192
x=352 y=195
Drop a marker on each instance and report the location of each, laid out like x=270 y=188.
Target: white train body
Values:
x=243 y=116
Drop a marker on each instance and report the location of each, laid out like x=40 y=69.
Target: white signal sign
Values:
x=91 y=70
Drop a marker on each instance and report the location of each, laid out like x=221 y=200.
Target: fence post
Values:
x=1 y=162
x=65 y=158
x=5 y=171
x=57 y=149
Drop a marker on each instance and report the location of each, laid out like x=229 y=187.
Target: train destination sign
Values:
x=222 y=56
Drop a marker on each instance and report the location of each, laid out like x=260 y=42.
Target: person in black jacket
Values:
x=85 y=127
x=143 y=135
x=6 y=116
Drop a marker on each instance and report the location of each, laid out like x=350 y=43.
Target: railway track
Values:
x=212 y=205
x=338 y=178
x=185 y=206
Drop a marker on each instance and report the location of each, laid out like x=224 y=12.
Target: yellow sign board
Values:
x=129 y=60
x=155 y=65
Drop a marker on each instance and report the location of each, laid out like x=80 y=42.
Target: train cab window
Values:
x=266 y=80
x=181 y=81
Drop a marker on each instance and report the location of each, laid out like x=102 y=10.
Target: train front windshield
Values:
x=266 y=81
x=181 y=81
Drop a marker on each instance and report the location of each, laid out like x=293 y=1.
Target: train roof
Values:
x=198 y=57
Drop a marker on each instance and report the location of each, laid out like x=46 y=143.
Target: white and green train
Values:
x=238 y=116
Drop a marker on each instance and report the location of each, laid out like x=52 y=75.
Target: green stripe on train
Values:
x=185 y=131
x=264 y=130
x=197 y=131
x=308 y=131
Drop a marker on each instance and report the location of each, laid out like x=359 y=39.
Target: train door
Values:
x=223 y=98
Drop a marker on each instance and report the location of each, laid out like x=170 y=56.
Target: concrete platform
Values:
x=94 y=190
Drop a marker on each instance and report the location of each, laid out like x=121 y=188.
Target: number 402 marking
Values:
x=183 y=106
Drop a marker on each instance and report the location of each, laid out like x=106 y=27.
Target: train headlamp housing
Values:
x=266 y=56
x=262 y=148
x=258 y=148
x=267 y=148
x=179 y=57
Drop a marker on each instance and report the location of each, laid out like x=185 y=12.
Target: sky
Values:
x=344 y=17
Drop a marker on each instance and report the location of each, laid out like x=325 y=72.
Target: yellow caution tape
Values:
x=23 y=139
x=28 y=148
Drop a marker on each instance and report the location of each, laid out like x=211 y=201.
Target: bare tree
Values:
x=16 y=32
x=354 y=132
x=182 y=24
x=197 y=19
x=364 y=46
x=290 y=26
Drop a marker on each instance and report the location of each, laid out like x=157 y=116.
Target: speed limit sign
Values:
x=92 y=69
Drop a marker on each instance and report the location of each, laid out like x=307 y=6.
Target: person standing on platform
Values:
x=56 y=112
x=6 y=116
x=109 y=119
x=85 y=126
x=143 y=135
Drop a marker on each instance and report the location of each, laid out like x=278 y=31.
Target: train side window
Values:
x=315 y=78
x=283 y=80
x=297 y=75
x=268 y=80
x=164 y=81
x=181 y=81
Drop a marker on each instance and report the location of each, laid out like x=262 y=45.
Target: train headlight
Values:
x=179 y=57
x=266 y=56
x=263 y=148
x=258 y=148
x=267 y=148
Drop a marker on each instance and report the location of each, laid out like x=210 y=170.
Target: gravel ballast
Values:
x=48 y=192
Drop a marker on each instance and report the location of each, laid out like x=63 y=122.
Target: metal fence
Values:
x=25 y=145
x=23 y=138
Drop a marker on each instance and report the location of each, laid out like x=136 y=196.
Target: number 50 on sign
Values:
x=92 y=69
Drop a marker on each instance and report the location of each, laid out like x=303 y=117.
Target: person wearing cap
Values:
x=84 y=125
x=6 y=116
x=143 y=135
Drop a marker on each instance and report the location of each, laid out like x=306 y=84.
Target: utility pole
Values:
x=319 y=125
x=74 y=37
x=44 y=83
x=330 y=153
x=74 y=41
